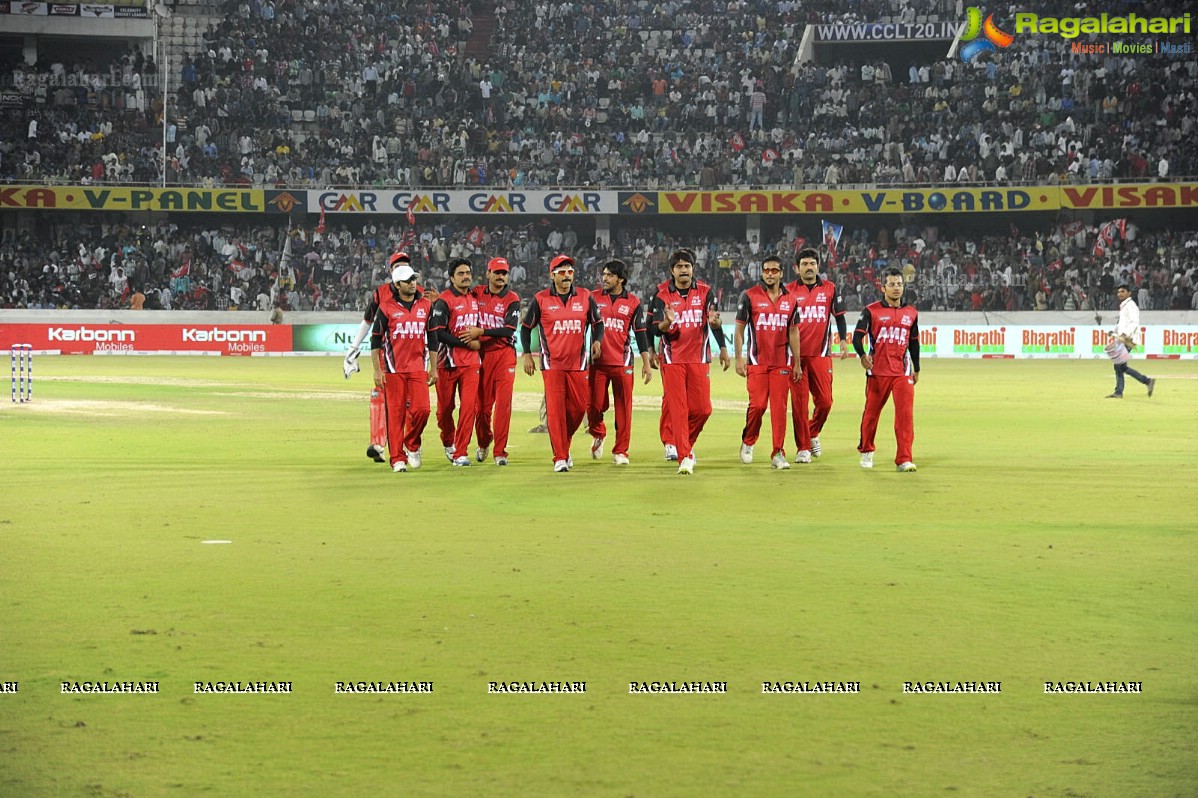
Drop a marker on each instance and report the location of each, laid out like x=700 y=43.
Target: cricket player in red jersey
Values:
x=623 y=321
x=499 y=315
x=454 y=320
x=765 y=312
x=891 y=368
x=403 y=370
x=818 y=304
x=681 y=315
x=378 y=412
x=562 y=315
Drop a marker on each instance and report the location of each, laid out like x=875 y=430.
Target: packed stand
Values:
x=256 y=268
x=623 y=94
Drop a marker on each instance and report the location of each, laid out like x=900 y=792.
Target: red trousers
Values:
x=767 y=385
x=877 y=391
x=816 y=384
x=565 y=406
x=407 y=411
x=688 y=388
x=620 y=379
x=464 y=382
x=495 y=386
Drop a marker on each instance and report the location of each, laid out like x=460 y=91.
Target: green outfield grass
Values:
x=1049 y=535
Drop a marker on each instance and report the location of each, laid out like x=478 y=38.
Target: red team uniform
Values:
x=562 y=323
x=458 y=368
x=770 y=365
x=894 y=346
x=623 y=320
x=685 y=363
x=816 y=307
x=498 y=313
x=400 y=330
x=378 y=405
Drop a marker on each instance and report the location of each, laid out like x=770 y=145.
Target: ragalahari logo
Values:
x=974 y=27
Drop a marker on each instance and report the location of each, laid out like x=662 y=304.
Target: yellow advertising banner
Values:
x=1132 y=195
x=105 y=198
x=841 y=201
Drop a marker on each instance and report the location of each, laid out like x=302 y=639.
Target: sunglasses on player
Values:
x=564 y=272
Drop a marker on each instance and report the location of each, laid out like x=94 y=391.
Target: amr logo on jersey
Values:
x=974 y=27
x=567 y=326
x=893 y=335
x=771 y=321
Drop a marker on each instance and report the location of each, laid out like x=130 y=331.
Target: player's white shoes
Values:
x=350 y=364
x=375 y=453
x=816 y=449
x=449 y=453
x=746 y=453
x=413 y=459
x=569 y=461
x=803 y=456
x=907 y=466
x=687 y=466
x=461 y=461
x=399 y=467
x=867 y=459
x=620 y=459
x=560 y=466
x=671 y=453
x=779 y=461
x=481 y=454
x=500 y=461
x=597 y=448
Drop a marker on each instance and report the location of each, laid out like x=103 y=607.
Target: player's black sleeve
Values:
x=378 y=331
x=716 y=329
x=744 y=308
x=861 y=330
x=838 y=312
x=644 y=340
x=532 y=317
x=595 y=319
x=372 y=308
x=913 y=345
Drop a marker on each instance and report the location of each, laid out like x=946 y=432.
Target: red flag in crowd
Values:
x=183 y=270
x=320 y=224
x=411 y=214
x=737 y=142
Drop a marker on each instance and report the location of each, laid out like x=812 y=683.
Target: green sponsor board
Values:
x=979 y=349
x=1049 y=350
x=325 y=337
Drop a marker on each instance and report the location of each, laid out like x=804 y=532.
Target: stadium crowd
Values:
x=619 y=93
x=256 y=267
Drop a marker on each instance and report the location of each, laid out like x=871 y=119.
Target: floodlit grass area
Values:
x=1050 y=535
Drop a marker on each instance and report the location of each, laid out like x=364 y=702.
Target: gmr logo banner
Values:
x=975 y=27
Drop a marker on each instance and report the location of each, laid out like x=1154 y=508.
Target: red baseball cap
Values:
x=559 y=261
x=397 y=257
x=498 y=265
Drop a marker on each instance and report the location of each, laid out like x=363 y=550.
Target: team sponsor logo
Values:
x=566 y=326
x=286 y=202
x=893 y=335
x=1146 y=196
x=771 y=321
x=624 y=310
x=409 y=329
x=815 y=313
x=615 y=323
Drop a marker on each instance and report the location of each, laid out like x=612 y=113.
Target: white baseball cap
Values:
x=402 y=273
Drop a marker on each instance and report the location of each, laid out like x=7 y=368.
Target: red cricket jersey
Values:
x=816 y=307
x=767 y=326
x=562 y=324
x=401 y=331
x=495 y=311
x=893 y=338
x=686 y=341
x=623 y=319
x=454 y=312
